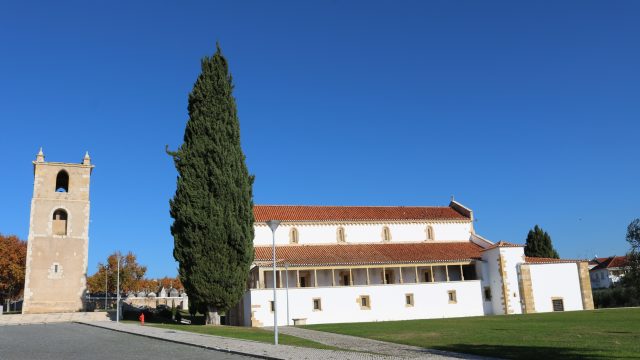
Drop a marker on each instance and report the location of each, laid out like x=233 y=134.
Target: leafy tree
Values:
x=212 y=207
x=539 y=244
x=131 y=274
x=13 y=257
x=632 y=277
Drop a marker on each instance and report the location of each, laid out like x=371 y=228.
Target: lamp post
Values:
x=118 y=293
x=106 y=288
x=286 y=276
x=273 y=225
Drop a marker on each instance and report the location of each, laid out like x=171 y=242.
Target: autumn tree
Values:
x=13 y=255
x=131 y=274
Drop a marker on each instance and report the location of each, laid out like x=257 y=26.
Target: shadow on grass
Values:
x=528 y=352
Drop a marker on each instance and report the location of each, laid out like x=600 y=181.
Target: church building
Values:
x=377 y=263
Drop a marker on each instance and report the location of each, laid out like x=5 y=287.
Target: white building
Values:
x=369 y=263
x=606 y=272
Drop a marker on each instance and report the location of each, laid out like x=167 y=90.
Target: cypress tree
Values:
x=213 y=206
x=539 y=244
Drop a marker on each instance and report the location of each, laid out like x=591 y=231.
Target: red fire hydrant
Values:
x=141 y=318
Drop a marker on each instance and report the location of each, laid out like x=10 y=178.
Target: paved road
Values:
x=75 y=341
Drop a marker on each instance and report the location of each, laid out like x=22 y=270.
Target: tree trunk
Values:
x=213 y=318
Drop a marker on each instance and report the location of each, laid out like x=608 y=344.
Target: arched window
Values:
x=386 y=234
x=60 y=222
x=62 y=181
x=293 y=236
x=430 y=235
x=340 y=235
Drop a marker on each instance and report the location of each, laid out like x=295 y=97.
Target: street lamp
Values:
x=273 y=225
x=118 y=293
x=106 y=288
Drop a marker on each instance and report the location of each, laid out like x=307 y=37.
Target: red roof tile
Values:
x=363 y=254
x=502 y=244
x=356 y=213
x=541 y=260
x=611 y=262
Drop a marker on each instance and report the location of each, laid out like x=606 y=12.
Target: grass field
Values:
x=600 y=334
x=245 y=333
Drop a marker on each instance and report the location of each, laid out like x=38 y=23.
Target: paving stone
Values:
x=259 y=349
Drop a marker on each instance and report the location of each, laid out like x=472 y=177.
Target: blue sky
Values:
x=527 y=113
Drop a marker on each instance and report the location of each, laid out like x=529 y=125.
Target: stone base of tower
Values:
x=49 y=307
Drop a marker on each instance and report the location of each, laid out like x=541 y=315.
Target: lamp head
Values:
x=273 y=224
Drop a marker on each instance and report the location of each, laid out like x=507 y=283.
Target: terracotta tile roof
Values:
x=365 y=254
x=610 y=262
x=541 y=260
x=502 y=244
x=345 y=213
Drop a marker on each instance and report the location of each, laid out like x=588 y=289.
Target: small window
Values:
x=271 y=306
x=558 y=304
x=317 y=304
x=60 y=222
x=452 y=297
x=408 y=300
x=365 y=303
x=293 y=236
x=55 y=268
x=386 y=234
x=487 y=293
x=62 y=181
x=430 y=235
x=340 y=235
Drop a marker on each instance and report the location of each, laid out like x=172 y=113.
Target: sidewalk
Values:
x=24 y=319
x=374 y=346
x=251 y=348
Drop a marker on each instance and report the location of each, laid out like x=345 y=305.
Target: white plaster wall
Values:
x=513 y=256
x=340 y=304
x=363 y=232
x=556 y=280
x=493 y=279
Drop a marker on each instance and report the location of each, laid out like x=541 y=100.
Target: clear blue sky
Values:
x=527 y=113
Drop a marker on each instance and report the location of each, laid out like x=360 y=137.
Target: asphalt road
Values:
x=75 y=341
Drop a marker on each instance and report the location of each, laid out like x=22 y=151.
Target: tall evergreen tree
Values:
x=213 y=206
x=539 y=244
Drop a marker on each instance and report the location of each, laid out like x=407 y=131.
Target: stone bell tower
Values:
x=58 y=244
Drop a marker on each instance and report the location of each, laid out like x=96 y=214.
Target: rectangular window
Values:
x=345 y=280
x=408 y=300
x=303 y=281
x=558 y=304
x=452 y=297
x=317 y=304
x=55 y=268
x=271 y=306
x=365 y=302
x=487 y=293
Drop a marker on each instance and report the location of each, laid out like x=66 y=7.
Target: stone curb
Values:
x=228 y=351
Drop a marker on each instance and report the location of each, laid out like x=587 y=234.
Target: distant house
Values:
x=607 y=271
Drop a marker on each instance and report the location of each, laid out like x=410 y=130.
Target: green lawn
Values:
x=599 y=334
x=245 y=333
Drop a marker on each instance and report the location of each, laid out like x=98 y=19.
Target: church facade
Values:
x=365 y=263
